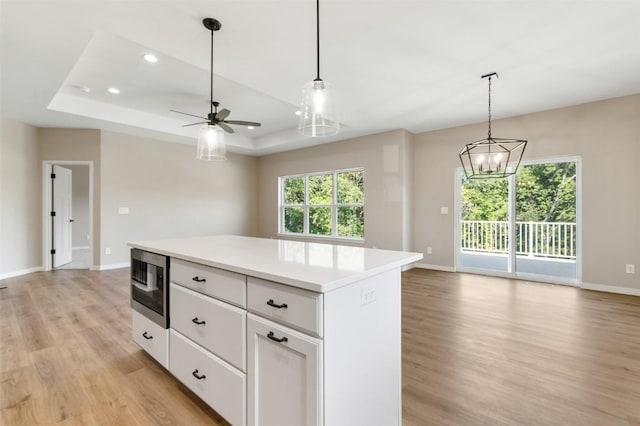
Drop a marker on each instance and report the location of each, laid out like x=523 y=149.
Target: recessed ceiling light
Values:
x=250 y=127
x=113 y=90
x=85 y=89
x=298 y=112
x=149 y=57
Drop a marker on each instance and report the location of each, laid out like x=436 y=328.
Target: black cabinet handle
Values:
x=196 y=321
x=199 y=377
x=199 y=280
x=270 y=302
x=275 y=339
x=146 y=336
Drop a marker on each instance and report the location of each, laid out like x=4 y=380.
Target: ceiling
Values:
x=394 y=64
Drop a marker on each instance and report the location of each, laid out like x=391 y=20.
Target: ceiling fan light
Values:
x=211 y=146
x=318 y=113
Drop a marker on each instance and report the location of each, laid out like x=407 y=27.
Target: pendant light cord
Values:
x=211 y=69
x=318 y=39
x=489 y=107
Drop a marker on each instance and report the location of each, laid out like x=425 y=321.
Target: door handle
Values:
x=198 y=376
x=199 y=322
x=275 y=339
x=270 y=302
x=71 y=220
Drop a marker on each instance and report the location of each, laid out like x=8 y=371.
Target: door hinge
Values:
x=53 y=251
x=53 y=214
x=53 y=175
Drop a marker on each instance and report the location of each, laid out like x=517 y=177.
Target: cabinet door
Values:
x=284 y=374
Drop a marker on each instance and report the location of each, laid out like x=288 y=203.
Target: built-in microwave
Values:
x=150 y=285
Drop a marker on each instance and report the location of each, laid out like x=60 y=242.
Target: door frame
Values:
x=47 y=166
x=521 y=275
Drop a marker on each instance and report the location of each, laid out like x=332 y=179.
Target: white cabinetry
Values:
x=285 y=376
x=270 y=339
x=151 y=337
x=207 y=342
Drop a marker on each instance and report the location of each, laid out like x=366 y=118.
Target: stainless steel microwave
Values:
x=150 y=285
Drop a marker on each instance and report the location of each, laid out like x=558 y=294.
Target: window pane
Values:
x=320 y=220
x=294 y=190
x=321 y=189
x=294 y=219
x=351 y=222
x=351 y=187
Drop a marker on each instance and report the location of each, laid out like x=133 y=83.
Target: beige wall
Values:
x=20 y=199
x=75 y=145
x=605 y=134
x=171 y=194
x=387 y=182
x=80 y=207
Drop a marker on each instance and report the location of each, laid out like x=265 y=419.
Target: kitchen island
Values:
x=280 y=332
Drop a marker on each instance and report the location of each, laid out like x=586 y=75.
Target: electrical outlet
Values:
x=429 y=250
x=367 y=295
x=107 y=250
x=630 y=268
x=444 y=210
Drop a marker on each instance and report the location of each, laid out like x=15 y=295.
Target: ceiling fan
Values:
x=215 y=117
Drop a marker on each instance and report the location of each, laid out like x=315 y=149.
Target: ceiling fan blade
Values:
x=222 y=114
x=195 y=124
x=191 y=115
x=226 y=128
x=243 y=123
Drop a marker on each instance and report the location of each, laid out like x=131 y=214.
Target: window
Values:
x=328 y=204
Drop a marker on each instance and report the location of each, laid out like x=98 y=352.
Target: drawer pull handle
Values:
x=275 y=339
x=197 y=321
x=197 y=376
x=270 y=302
x=146 y=336
x=199 y=280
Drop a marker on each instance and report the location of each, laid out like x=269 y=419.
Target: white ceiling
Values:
x=395 y=64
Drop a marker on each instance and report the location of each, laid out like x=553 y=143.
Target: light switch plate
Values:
x=444 y=210
x=123 y=210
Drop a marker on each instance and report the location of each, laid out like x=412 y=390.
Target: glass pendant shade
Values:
x=211 y=145
x=318 y=113
x=492 y=157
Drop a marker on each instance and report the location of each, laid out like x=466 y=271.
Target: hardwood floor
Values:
x=476 y=351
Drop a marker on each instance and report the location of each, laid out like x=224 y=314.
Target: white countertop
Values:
x=312 y=266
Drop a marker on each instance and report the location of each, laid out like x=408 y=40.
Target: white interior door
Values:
x=62 y=206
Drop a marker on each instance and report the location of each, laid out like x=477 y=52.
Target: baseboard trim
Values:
x=111 y=266
x=20 y=272
x=611 y=289
x=435 y=267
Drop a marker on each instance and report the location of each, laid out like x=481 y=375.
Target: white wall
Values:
x=605 y=134
x=170 y=193
x=20 y=224
x=387 y=183
x=80 y=207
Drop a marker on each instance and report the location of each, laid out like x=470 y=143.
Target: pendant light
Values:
x=211 y=144
x=318 y=114
x=492 y=157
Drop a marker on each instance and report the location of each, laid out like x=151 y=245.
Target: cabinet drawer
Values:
x=225 y=285
x=218 y=384
x=301 y=309
x=150 y=337
x=215 y=325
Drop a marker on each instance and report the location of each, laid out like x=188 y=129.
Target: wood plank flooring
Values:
x=476 y=351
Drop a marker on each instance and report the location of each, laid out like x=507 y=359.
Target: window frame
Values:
x=334 y=206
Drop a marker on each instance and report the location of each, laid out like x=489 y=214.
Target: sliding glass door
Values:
x=525 y=225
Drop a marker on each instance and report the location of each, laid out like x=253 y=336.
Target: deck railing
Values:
x=535 y=239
